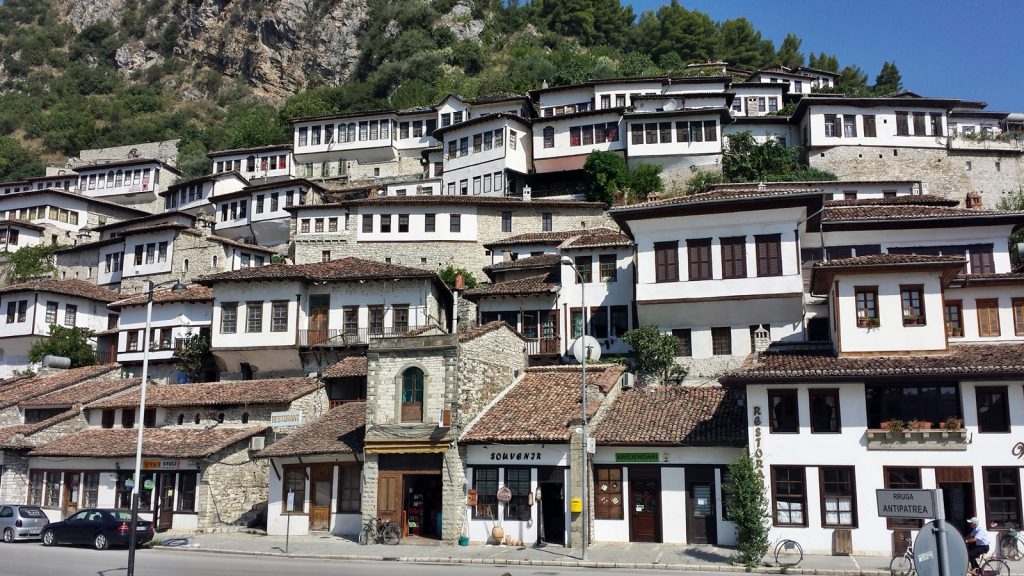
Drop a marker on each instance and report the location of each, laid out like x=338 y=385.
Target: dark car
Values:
x=100 y=527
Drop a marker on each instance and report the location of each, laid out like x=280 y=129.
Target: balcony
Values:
x=339 y=337
x=1006 y=141
x=543 y=347
x=917 y=439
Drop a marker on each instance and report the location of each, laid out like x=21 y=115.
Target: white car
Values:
x=21 y=522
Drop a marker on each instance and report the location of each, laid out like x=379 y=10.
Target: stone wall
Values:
x=312 y=406
x=708 y=368
x=384 y=378
x=80 y=264
x=197 y=249
x=453 y=493
x=166 y=150
x=14 y=480
x=944 y=172
x=487 y=365
x=232 y=485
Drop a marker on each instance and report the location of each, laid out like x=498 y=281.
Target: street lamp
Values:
x=176 y=286
x=566 y=261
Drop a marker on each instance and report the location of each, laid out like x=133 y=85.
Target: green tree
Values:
x=28 y=262
x=644 y=179
x=747 y=506
x=654 y=353
x=449 y=272
x=823 y=61
x=18 y=162
x=750 y=161
x=1014 y=200
x=852 y=81
x=789 y=52
x=888 y=80
x=702 y=181
x=637 y=64
x=742 y=44
x=604 y=174
x=68 y=341
x=194 y=357
x=692 y=35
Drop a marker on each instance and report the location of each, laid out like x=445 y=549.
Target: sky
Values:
x=968 y=49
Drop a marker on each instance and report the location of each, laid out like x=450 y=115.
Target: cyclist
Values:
x=978 y=541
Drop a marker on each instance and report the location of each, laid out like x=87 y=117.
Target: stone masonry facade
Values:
x=487 y=365
x=231 y=485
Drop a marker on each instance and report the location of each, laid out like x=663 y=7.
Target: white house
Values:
x=66 y=217
x=195 y=195
x=16 y=234
x=136 y=182
x=254 y=163
x=258 y=213
x=487 y=155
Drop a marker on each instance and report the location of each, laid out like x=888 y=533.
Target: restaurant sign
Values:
x=161 y=464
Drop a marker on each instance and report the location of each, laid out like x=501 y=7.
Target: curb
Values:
x=527 y=562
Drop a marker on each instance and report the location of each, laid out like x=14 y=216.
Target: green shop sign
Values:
x=637 y=457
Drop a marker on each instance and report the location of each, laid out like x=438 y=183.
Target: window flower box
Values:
x=917 y=439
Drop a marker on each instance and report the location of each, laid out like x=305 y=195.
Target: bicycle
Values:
x=788 y=552
x=991 y=566
x=1011 y=545
x=903 y=565
x=379 y=530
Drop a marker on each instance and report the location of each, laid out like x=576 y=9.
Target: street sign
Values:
x=286 y=418
x=906 y=503
x=926 y=555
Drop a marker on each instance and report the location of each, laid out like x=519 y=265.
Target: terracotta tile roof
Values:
x=242 y=392
x=343 y=269
x=195 y=293
x=83 y=393
x=542 y=405
x=14 y=436
x=675 y=416
x=23 y=389
x=350 y=366
x=542 y=261
x=22 y=224
x=596 y=239
x=266 y=148
x=156 y=442
x=818 y=362
x=339 y=431
x=78 y=288
x=147 y=217
x=476 y=332
x=503 y=201
x=872 y=212
x=905 y=199
x=962 y=280
x=524 y=286
x=890 y=260
x=720 y=196
x=242 y=245
x=552 y=238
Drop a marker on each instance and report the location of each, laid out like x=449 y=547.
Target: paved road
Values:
x=31 y=559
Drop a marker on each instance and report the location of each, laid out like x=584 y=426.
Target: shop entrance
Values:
x=701 y=522
x=957 y=484
x=165 y=502
x=552 y=503
x=409 y=492
x=321 y=481
x=422 y=505
x=645 y=504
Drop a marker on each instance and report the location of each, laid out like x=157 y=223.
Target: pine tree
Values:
x=789 y=52
x=742 y=44
x=823 y=62
x=888 y=80
x=852 y=81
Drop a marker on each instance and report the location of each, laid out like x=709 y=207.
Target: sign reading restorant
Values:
x=637 y=457
x=906 y=503
x=287 y=418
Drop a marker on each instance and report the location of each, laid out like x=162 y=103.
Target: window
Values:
x=585 y=266
x=576 y=322
x=412 y=395
x=349 y=483
x=52 y=498
x=838 y=496
x=399 y=319
x=376 y=314
x=734 y=257
x=721 y=341
x=636 y=133
x=51 y=312
x=274 y=202
x=1002 y=495
x=325 y=256
x=789 y=497
x=993 y=408
x=599 y=322
x=254 y=316
x=35 y=488
x=455 y=223
x=350 y=319
x=866 y=299
x=485 y=482
x=403 y=223
x=302 y=136
x=666 y=261
x=107 y=419
x=228 y=317
x=608 y=267
x=769 y=254
x=849 y=126
x=498 y=179
x=620 y=321
x=710 y=131
x=187 y=492
x=70 y=314
x=824 y=410
x=919 y=124
x=279 y=316
x=546 y=222
x=367 y=223
x=294 y=483
x=783 y=415
x=981 y=261
x=913 y=305
x=932 y=402
x=549 y=137
x=988 y=316
x=518 y=481
x=698 y=253
x=954 y=313
x=574 y=136
x=902 y=124
x=90 y=489
x=487 y=183
x=11 y=308
x=332 y=224
x=685 y=342
x=161 y=252
x=477 y=143
x=429 y=222
x=385 y=223
x=133 y=341
x=506 y=221
x=869 y=126
x=899 y=478
x=22 y=310
x=831 y=125
x=127 y=417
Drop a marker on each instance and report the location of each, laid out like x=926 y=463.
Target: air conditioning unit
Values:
x=257 y=443
x=628 y=380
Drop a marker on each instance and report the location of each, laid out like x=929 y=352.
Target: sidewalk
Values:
x=601 y=555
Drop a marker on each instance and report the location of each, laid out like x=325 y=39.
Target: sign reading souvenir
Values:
x=527 y=454
x=906 y=503
x=637 y=457
x=286 y=418
x=161 y=464
x=504 y=494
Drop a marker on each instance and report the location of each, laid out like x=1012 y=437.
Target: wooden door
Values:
x=165 y=502
x=389 y=496
x=319 y=315
x=644 y=505
x=700 y=524
x=72 y=483
x=321 y=483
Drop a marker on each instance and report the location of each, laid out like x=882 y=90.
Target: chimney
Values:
x=973 y=200
x=527 y=193
x=762 y=339
x=653 y=196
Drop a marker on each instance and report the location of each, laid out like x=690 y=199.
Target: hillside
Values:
x=78 y=74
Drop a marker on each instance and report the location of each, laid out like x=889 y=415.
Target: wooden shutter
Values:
x=666 y=263
x=733 y=257
x=988 y=317
x=699 y=258
x=981 y=262
x=769 y=255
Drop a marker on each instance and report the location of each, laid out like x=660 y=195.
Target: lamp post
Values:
x=566 y=261
x=176 y=286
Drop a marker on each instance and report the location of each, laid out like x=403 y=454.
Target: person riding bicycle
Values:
x=978 y=541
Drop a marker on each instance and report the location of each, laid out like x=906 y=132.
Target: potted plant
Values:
x=919 y=425
x=894 y=425
x=951 y=423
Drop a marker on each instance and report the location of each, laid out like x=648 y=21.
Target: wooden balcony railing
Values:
x=542 y=346
x=355 y=337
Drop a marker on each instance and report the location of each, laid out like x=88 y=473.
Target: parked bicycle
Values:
x=1011 y=545
x=379 y=530
x=788 y=552
x=904 y=565
x=991 y=566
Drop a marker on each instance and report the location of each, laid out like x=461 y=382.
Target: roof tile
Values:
x=339 y=431
x=156 y=442
x=343 y=269
x=675 y=416
x=242 y=392
x=83 y=393
x=348 y=367
x=532 y=285
x=20 y=390
x=194 y=293
x=78 y=288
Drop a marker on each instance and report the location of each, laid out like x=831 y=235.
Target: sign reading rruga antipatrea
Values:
x=906 y=503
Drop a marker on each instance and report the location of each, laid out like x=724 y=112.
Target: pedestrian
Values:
x=978 y=540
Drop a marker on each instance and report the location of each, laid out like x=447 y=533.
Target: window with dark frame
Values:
x=279 y=316
x=228 y=317
x=866 y=300
x=1002 y=495
x=698 y=255
x=1017 y=304
x=869 y=127
x=585 y=266
x=608 y=267
x=349 y=485
x=838 y=496
x=485 y=481
x=107 y=419
x=734 y=256
x=254 y=316
x=608 y=502
x=993 y=409
x=932 y=402
x=666 y=261
x=954 y=315
x=294 y=481
x=127 y=417
x=685 y=343
x=518 y=481
x=789 y=496
x=187 y=482
x=769 y=254
x=913 y=305
x=783 y=412
x=902 y=478
x=981 y=261
x=721 y=341
x=988 y=316
x=824 y=410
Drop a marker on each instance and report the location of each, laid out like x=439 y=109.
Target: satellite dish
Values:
x=670 y=105
x=586 y=345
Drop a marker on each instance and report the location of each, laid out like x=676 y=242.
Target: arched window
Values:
x=250 y=164
x=245 y=417
x=412 y=395
x=181 y=419
x=197 y=418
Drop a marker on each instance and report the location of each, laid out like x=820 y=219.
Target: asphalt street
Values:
x=31 y=559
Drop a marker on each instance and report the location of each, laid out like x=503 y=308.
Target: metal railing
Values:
x=352 y=337
x=543 y=346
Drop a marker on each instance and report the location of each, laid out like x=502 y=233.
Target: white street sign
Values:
x=906 y=503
